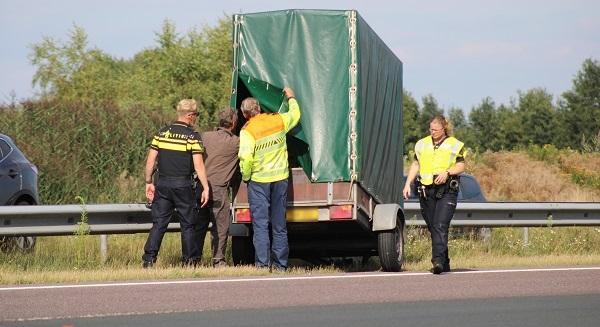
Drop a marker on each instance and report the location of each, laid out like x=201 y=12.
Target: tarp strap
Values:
x=236 y=39
x=352 y=96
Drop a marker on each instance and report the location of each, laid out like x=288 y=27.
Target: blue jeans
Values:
x=268 y=203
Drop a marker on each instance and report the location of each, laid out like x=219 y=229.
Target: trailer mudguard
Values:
x=385 y=216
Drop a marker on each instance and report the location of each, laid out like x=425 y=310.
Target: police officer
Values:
x=439 y=158
x=178 y=150
x=264 y=165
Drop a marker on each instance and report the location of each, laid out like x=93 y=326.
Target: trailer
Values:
x=345 y=190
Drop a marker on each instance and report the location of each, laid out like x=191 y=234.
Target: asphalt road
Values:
x=536 y=297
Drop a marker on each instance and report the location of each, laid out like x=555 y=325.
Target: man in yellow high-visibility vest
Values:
x=264 y=164
x=439 y=159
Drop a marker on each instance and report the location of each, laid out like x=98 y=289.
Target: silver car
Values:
x=18 y=186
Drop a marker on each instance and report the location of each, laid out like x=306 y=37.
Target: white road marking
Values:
x=267 y=279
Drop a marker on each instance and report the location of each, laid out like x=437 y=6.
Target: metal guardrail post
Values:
x=103 y=248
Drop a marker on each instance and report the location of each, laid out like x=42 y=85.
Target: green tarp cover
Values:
x=348 y=84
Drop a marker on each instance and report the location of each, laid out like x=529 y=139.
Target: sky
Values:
x=458 y=51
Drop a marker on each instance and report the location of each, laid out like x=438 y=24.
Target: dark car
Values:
x=18 y=186
x=468 y=190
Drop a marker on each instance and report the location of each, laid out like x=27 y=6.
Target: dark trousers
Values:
x=268 y=202
x=171 y=194
x=220 y=218
x=437 y=213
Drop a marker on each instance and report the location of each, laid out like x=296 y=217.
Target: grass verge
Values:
x=58 y=259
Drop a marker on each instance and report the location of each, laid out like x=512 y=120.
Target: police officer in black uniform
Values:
x=439 y=159
x=178 y=150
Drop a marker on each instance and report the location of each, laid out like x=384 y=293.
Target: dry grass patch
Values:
x=12 y=277
x=588 y=163
x=514 y=176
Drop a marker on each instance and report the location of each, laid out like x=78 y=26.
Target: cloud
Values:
x=588 y=24
x=480 y=49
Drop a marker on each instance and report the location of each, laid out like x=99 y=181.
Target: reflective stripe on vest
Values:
x=433 y=161
x=270 y=162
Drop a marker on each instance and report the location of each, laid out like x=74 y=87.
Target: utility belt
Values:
x=176 y=180
x=438 y=190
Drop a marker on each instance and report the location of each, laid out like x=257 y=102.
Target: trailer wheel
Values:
x=242 y=250
x=391 y=248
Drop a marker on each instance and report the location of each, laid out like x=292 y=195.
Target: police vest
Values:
x=432 y=160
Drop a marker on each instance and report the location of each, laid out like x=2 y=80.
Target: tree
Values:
x=191 y=65
x=461 y=128
x=410 y=123
x=537 y=116
x=56 y=63
x=430 y=108
x=457 y=118
x=72 y=71
x=195 y=65
x=509 y=129
x=484 y=125
x=581 y=109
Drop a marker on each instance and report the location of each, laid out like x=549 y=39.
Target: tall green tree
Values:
x=581 y=109
x=483 y=124
x=509 y=129
x=538 y=117
x=461 y=127
x=195 y=65
x=410 y=123
x=73 y=71
x=429 y=109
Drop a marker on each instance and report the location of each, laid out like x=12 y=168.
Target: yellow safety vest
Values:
x=433 y=161
x=263 y=149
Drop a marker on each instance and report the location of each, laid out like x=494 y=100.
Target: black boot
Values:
x=447 y=266
x=147 y=264
x=191 y=263
x=437 y=268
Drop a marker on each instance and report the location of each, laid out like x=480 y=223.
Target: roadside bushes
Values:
x=96 y=152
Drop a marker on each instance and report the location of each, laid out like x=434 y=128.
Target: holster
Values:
x=451 y=185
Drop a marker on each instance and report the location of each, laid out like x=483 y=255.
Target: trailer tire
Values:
x=242 y=250
x=391 y=248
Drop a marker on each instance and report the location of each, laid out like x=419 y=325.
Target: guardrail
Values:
x=135 y=218
x=516 y=214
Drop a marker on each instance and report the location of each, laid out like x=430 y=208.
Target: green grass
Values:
x=77 y=258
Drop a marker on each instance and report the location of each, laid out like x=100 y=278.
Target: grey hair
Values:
x=250 y=107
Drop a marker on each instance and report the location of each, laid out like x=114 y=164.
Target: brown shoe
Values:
x=219 y=264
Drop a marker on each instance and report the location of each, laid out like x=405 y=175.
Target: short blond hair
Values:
x=186 y=106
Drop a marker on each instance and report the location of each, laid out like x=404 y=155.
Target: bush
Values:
x=96 y=152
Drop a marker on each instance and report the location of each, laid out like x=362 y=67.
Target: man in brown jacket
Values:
x=221 y=161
